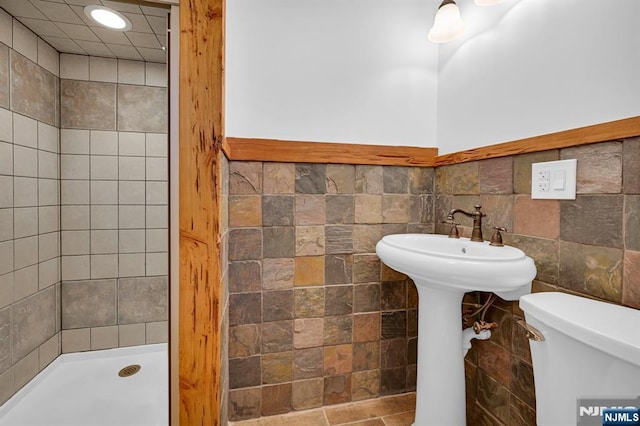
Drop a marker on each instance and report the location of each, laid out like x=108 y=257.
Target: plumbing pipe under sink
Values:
x=468 y=334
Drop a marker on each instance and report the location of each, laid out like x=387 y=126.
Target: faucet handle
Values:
x=453 y=232
x=496 y=239
x=478 y=207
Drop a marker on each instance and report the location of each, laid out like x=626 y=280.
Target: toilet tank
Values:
x=591 y=350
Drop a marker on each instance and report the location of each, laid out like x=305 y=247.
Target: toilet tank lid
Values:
x=610 y=328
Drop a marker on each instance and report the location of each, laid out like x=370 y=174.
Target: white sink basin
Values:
x=443 y=269
x=459 y=264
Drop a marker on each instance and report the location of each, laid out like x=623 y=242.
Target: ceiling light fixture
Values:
x=448 y=24
x=107 y=17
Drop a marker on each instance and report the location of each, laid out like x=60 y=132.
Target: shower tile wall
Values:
x=29 y=206
x=588 y=246
x=113 y=141
x=314 y=317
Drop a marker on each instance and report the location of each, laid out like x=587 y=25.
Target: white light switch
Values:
x=554 y=180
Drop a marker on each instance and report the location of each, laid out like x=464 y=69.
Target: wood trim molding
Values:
x=625 y=128
x=201 y=122
x=247 y=149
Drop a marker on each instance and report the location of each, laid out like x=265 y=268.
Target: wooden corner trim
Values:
x=250 y=149
x=625 y=128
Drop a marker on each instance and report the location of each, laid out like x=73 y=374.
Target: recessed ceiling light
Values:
x=107 y=17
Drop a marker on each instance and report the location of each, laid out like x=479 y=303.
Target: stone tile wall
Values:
x=114 y=204
x=314 y=317
x=588 y=247
x=29 y=206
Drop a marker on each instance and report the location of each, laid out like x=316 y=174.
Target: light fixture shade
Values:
x=107 y=17
x=487 y=2
x=448 y=24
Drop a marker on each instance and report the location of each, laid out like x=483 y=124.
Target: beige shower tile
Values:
x=49 y=350
x=88 y=105
x=25 y=41
x=33 y=90
x=142 y=108
x=157 y=332
x=26 y=369
x=77 y=340
x=4 y=76
x=103 y=69
x=33 y=322
x=104 y=337
x=74 y=67
x=131 y=334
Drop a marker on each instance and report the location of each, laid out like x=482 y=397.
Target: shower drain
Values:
x=129 y=370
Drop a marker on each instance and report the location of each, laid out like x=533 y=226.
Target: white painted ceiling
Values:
x=64 y=25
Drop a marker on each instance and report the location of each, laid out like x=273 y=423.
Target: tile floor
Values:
x=397 y=410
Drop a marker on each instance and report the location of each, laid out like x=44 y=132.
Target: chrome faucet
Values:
x=477 y=215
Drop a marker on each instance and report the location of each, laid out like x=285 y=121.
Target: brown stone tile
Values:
x=337 y=389
x=86 y=304
x=599 y=169
x=412 y=377
x=393 y=353
x=278 y=241
x=244 y=404
x=244 y=340
x=632 y=222
x=310 y=240
x=276 y=399
x=631 y=166
x=309 y=270
x=308 y=394
x=277 y=368
x=393 y=295
x=310 y=210
x=522 y=168
x=340 y=178
x=519 y=341
x=337 y=359
x=339 y=239
x=501 y=335
x=412 y=322
x=28 y=324
x=306 y=418
x=365 y=238
x=412 y=294
x=493 y=397
x=338 y=329
x=592 y=219
x=245 y=276
x=340 y=209
x=412 y=351
x=366 y=297
x=277 y=274
x=366 y=327
x=520 y=414
x=307 y=363
x=393 y=381
x=277 y=336
x=279 y=178
x=338 y=269
x=311 y=178
x=245 y=177
x=596 y=271
x=495 y=361
x=522 y=384
x=631 y=282
x=245 y=244
x=366 y=268
x=245 y=308
x=368 y=179
x=308 y=302
x=422 y=209
x=443 y=204
x=369 y=422
x=245 y=211
x=83 y=104
x=499 y=211
x=395 y=208
x=338 y=300
x=277 y=210
x=365 y=385
x=537 y=218
x=395 y=179
x=421 y=180
x=244 y=372
x=142 y=108
x=496 y=175
x=388 y=274
x=543 y=252
x=277 y=305
x=4 y=77
x=308 y=333
x=394 y=324
x=366 y=356
x=379 y=407
x=368 y=208
x=458 y=179
x=402 y=419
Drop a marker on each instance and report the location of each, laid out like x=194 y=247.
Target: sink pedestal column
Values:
x=440 y=389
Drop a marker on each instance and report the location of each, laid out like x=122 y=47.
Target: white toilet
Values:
x=591 y=349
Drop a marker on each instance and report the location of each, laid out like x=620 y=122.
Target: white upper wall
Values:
x=356 y=71
x=530 y=67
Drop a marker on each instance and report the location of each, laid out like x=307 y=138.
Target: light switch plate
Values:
x=555 y=180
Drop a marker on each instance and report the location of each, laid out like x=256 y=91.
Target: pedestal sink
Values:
x=443 y=269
